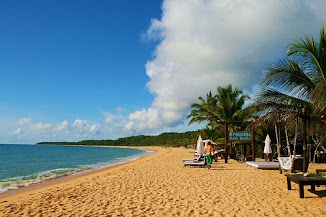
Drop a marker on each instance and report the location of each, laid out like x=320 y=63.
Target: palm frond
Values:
x=319 y=96
x=270 y=103
x=307 y=47
x=287 y=76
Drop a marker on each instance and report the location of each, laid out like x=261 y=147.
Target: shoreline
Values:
x=65 y=178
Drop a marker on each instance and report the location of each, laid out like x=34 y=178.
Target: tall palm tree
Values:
x=230 y=103
x=225 y=105
x=297 y=81
x=203 y=111
x=313 y=56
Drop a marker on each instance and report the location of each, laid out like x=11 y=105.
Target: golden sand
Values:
x=159 y=185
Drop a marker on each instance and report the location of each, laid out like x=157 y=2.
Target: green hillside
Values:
x=172 y=139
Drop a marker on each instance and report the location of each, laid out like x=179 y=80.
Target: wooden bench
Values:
x=311 y=180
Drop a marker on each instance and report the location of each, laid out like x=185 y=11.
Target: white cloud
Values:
x=41 y=127
x=120 y=110
x=82 y=127
x=24 y=121
x=78 y=130
x=145 y=119
x=18 y=131
x=64 y=125
x=109 y=118
x=207 y=43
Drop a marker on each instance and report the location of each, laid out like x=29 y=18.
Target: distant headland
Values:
x=171 y=139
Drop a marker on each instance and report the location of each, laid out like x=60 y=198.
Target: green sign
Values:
x=240 y=136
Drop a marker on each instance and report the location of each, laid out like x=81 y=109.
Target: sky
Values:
x=75 y=70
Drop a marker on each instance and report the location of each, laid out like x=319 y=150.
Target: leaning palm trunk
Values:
x=318 y=144
x=278 y=142
x=295 y=137
x=287 y=141
x=315 y=154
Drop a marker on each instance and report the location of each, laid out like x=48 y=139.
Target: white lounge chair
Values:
x=193 y=159
x=200 y=161
x=292 y=164
x=264 y=165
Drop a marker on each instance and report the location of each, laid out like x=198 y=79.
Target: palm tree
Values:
x=213 y=133
x=225 y=105
x=230 y=103
x=313 y=56
x=203 y=111
x=296 y=82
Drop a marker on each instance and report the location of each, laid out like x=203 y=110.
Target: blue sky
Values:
x=64 y=60
x=60 y=59
x=73 y=70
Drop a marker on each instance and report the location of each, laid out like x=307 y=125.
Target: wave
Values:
x=21 y=181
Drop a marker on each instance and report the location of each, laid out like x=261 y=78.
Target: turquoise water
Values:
x=22 y=165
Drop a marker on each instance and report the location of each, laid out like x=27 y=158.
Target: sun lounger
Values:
x=292 y=164
x=312 y=180
x=192 y=159
x=197 y=162
x=264 y=165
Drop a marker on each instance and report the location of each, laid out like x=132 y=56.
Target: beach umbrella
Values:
x=267 y=148
x=205 y=142
x=208 y=140
x=200 y=146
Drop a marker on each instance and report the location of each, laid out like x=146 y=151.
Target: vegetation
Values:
x=288 y=86
x=226 y=104
x=294 y=83
x=187 y=139
x=297 y=82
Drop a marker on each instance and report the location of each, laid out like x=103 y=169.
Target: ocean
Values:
x=22 y=165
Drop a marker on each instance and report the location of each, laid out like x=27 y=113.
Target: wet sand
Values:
x=159 y=185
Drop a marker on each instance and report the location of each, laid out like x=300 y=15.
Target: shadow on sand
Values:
x=321 y=193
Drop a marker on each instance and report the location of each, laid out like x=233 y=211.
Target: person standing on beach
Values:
x=209 y=150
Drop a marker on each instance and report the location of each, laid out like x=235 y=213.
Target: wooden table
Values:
x=311 y=180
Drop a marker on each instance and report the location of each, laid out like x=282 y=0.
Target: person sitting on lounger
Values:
x=208 y=151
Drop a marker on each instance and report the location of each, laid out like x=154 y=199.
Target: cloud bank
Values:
x=208 y=43
x=38 y=131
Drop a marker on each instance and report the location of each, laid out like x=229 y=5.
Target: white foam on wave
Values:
x=21 y=181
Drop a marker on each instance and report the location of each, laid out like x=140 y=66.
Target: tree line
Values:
x=171 y=139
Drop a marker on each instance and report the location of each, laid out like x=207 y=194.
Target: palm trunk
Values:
x=277 y=141
x=287 y=141
x=295 y=137
x=318 y=144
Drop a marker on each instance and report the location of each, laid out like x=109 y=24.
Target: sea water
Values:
x=22 y=165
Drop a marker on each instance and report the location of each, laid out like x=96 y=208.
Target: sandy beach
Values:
x=159 y=185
